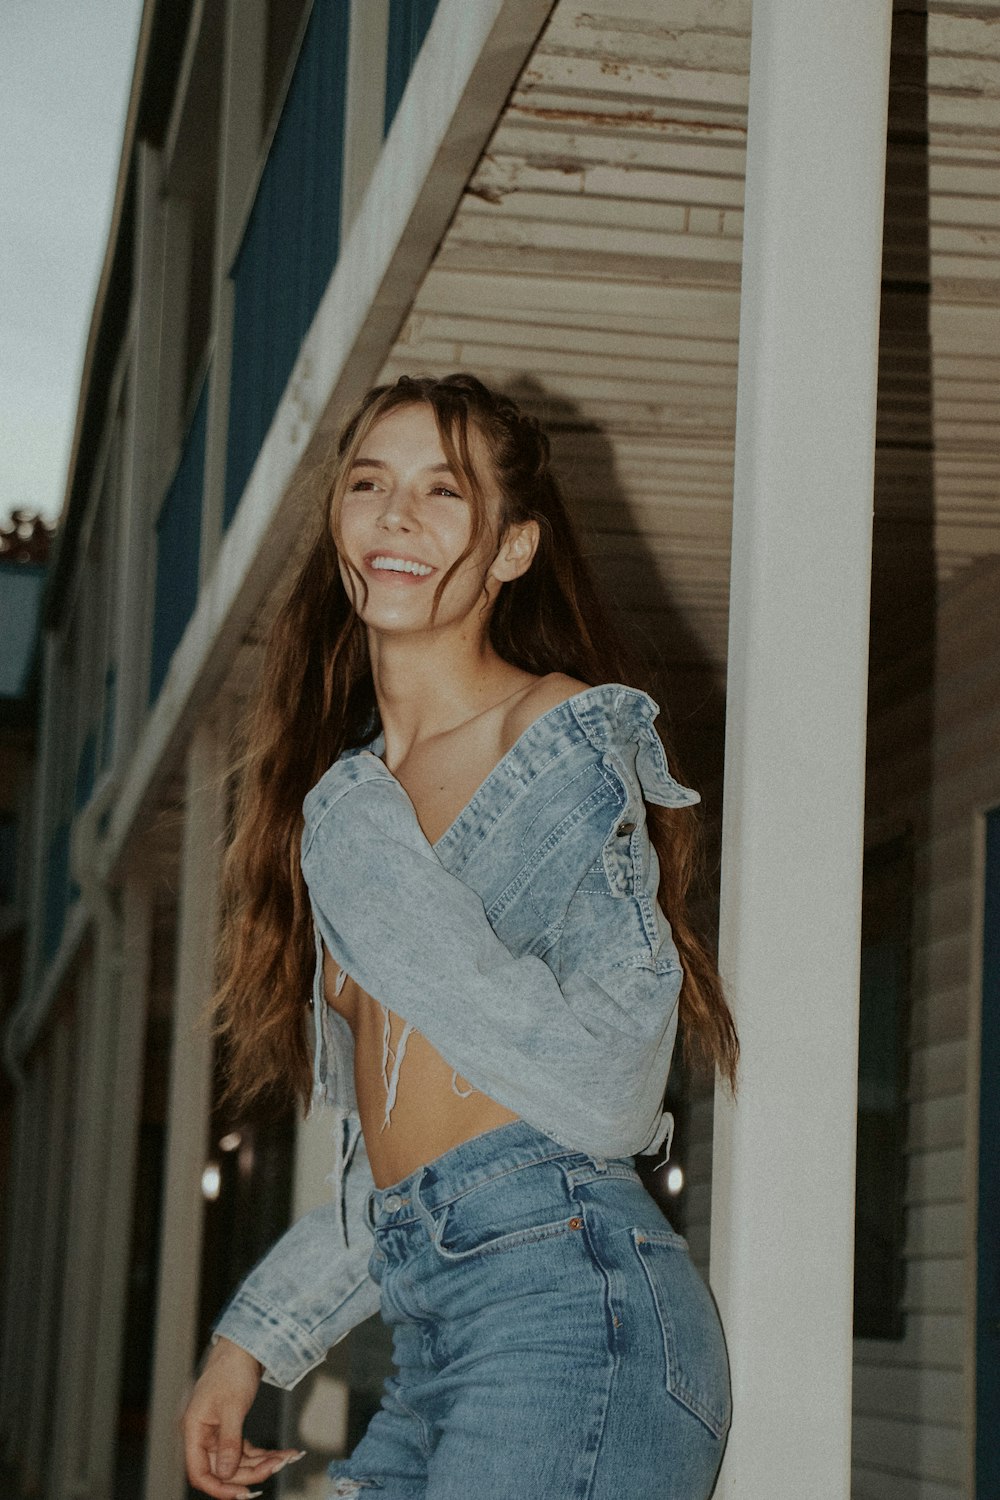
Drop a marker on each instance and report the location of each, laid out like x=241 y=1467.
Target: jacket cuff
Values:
x=285 y=1349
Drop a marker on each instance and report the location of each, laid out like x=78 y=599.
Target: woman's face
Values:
x=406 y=517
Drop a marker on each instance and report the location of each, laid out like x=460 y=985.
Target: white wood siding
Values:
x=913 y=1419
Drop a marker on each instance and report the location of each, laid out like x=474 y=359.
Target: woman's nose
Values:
x=397 y=511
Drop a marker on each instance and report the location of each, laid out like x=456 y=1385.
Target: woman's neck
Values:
x=426 y=688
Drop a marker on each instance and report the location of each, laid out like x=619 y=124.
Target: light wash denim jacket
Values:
x=526 y=945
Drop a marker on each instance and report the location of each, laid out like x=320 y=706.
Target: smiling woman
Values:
x=457 y=815
x=408 y=514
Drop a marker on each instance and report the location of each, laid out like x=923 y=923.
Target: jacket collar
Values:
x=610 y=717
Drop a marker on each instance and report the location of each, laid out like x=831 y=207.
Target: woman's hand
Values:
x=220 y=1462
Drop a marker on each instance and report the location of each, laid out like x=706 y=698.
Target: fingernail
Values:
x=251 y=1494
x=292 y=1458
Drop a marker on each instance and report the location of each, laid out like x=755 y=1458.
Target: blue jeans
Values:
x=551 y=1335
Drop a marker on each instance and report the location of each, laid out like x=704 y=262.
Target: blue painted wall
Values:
x=409 y=22
x=291 y=242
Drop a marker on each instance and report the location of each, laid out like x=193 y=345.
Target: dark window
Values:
x=881 y=1161
x=8 y=859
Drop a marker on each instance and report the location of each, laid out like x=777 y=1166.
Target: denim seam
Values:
x=504 y=1172
x=677 y=1388
x=614 y=1348
x=330 y=801
x=527 y=871
x=515 y=1240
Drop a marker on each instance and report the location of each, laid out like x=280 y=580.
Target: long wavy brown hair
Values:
x=315 y=698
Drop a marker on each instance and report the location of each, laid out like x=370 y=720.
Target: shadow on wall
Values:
x=682 y=677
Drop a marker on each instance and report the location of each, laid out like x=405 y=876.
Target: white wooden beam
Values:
x=783 y=1180
x=365 y=111
x=188 y=1112
x=131 y=982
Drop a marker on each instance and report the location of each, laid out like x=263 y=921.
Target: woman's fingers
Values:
x=258 y=1464
x=229 y=1442
x=201 y=1457
x=253 y=1466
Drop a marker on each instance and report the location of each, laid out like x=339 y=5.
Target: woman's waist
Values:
x=506 y=1163
x=428 y=1121
x=412 y=1104
x=512 y=1188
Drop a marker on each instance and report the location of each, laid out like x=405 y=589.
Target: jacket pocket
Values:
x=560 y=832
x=694 y=1348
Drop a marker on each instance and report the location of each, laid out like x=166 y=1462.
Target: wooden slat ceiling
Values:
x=593 y=268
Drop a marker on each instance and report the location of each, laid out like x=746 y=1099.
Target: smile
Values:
x=383 y=563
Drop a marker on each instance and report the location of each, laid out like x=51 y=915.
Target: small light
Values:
x=675 y=1181
x=211 y=1181
x=230 y=1142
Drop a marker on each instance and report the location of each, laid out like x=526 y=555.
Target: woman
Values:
x=450 y=791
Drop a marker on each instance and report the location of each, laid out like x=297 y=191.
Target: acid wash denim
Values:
x=550 y=1334
x=526 y=944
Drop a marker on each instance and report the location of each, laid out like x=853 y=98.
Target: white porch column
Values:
x=783 y=1177
x=188 y=1109
x=131 y=1005
x=49 y=1250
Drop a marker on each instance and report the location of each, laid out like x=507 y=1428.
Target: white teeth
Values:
x=398 y=565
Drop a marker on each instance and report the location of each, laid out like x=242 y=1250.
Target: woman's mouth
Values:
x=390 y=565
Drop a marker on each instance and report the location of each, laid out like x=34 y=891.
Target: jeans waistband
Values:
x=482 y=1158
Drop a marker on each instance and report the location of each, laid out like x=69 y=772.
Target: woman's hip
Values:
x=511 y=1252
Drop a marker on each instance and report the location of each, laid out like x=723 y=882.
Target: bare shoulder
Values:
x=545 y=693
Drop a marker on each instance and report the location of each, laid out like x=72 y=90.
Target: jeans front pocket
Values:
x=517 y=1208
x=694 y=1347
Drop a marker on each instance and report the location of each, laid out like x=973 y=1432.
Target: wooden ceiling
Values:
x=593 y=268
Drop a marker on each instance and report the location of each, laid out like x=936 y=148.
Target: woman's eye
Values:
x=442 y=489
x=362 y=484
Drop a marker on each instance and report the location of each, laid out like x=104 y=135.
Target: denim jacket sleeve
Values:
x=570 y=1053
x=312 y=1287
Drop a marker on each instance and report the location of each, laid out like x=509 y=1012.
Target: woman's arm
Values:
x=310 y=1290
x=312 y=1287
x=573 y=1050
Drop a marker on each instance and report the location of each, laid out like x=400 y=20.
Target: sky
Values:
x=65 y=74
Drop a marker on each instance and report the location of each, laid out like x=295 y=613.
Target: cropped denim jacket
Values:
x=526 y=944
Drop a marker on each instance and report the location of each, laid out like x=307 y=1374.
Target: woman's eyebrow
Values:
x=379 y=463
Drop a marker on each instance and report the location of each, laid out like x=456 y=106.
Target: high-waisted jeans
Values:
x=551 y=1335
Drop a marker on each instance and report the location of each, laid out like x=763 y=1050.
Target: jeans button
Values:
x=391 y=1202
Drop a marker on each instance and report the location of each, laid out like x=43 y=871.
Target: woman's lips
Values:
x=397 y=567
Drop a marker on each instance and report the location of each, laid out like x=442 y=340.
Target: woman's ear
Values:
x=516 y=552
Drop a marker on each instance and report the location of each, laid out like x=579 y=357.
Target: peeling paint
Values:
x=488 y=193
x=642 y=117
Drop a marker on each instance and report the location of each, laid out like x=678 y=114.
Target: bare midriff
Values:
x=428 y=1116
x=433 y=1109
